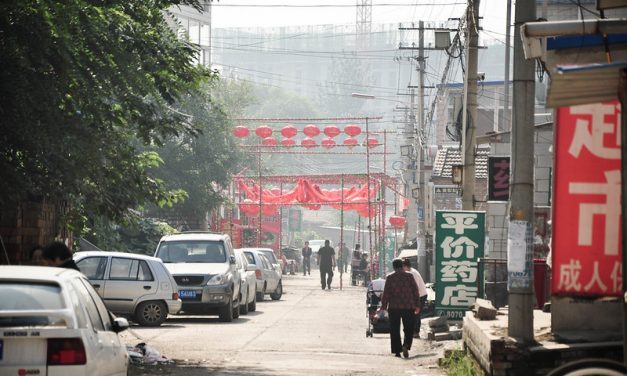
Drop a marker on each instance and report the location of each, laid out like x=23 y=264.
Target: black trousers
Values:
x=326 y=277
x=407 y=317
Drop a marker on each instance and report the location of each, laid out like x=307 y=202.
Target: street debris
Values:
x=484 y=310
x=143 y=354
x=439 y=330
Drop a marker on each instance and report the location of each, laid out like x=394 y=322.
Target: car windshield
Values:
x=198 y=251
x=15 y=296
x=270 y=255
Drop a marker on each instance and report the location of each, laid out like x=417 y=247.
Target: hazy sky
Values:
x=251 y=13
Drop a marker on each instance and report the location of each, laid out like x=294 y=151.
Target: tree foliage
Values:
x=83 y=84
x=202 y=164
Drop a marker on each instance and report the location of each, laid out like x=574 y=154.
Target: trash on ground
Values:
x=143 y=354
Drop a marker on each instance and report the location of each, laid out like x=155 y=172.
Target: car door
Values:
x=269 y=274
x=94 y=268
x=129 y=281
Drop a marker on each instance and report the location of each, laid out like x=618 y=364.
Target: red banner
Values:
x=586 y=206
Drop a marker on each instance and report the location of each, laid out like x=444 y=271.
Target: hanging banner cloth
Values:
x=310 y=196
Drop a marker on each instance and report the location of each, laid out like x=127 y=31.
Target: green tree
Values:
x=202 y=165
x=347 y=75
x=83 y=84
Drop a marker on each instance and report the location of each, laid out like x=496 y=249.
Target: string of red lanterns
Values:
x=264 y=132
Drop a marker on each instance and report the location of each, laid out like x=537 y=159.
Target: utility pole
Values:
x=409 y=172
x=520 y=286
x=505 y=118
x=469 y=117
x=419 y=142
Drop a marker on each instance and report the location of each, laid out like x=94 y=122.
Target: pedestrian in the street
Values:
x=306 y=252
x=326 y=262
x=402 y=301
x=342 y=258
x=36 y=256
x=58 y=254
x=422 y=291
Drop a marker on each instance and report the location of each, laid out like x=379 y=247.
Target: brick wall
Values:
x=24 y=225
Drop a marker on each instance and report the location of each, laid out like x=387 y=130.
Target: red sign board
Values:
x=586 y=205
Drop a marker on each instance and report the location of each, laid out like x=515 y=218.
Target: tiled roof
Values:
x=448 y=156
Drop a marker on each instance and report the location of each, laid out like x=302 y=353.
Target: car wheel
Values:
x=243 y=304
x=236 y=307
x=151 y=313
x=276 y=295
x=226 y=312
x=252 y=307
x=261 y=295
x=604 y=367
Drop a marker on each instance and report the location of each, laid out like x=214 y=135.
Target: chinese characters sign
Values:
x=459 y=241
x=498 y=178
x=587 y=216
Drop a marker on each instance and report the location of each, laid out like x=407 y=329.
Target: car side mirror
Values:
x=120 y=324
x=232 y=260
x=251 y=268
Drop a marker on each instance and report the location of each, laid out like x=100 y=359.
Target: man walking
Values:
x=342 y=258
x=326 y=261
x=402 y=301
x=422 y=291
x=306 y=259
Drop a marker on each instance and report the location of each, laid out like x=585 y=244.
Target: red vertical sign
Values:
x=586 y=206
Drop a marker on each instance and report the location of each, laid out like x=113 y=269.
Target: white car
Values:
x=268 y=278
x=132 y=285
x=248 y=290
x=269 y=253
x=54 y=323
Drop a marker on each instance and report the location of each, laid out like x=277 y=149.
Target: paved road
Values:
x=308 y=331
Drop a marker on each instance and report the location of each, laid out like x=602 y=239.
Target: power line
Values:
x=223 y=5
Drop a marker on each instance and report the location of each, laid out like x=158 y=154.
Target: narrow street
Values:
x=308 y=331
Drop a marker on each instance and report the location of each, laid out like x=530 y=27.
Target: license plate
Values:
x=187 y=294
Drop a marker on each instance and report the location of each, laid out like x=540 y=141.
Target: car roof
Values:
x=117 y=254
x=194 y=236
x=36 y=273
x=255 y=249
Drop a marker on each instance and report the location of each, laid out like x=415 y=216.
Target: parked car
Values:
x=204 y=267
x=248 y=300
x=269 y=253
x=54 y=323
x=132 y=285
x=268 y=278
x=294 y=258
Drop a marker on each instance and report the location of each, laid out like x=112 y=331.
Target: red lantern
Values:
x=371 y=142
x=240 y=131
x=308 y=142
x=331 y=130
x=264 y=131
x=288 y=142
x=269 y=141
x=397 y=221
x=350 y=142
x=311 y=130
x=289 y=131
x=328 y=143
x=352 y=130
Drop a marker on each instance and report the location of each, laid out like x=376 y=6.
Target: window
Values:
x=250 y=258
x=129 y=269
x=93 y=267
x=193 y=251
x=89 y=305
x=102 y=310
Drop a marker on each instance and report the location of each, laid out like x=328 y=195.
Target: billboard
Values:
x=498 y=178
x=587 y=235
x=459 y=242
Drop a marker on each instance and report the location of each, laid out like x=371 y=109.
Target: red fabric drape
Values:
x=310 y=196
